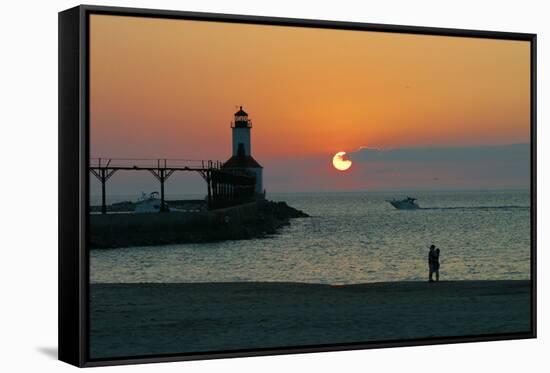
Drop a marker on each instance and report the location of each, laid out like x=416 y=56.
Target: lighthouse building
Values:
x=242 y=160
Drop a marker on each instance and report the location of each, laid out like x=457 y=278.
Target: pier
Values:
x=224 y=187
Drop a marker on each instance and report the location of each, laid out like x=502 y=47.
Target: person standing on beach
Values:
x=433 y=263
x=436 y=264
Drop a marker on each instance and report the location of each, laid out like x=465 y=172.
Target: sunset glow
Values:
x=162 y=88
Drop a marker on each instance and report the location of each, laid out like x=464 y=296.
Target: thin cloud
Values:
x=511 y=152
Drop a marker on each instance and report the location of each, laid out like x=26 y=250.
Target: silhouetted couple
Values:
x=433 y=262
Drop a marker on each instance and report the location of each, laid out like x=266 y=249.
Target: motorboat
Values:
x=408 y=203
x=149 y=203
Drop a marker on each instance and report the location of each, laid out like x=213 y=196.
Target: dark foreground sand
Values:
x=141 y=319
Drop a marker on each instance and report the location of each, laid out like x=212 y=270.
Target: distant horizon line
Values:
x=357 y=191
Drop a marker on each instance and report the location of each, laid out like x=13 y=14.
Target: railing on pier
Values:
x=224 y=187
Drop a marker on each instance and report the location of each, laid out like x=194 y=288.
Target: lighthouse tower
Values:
x=242 y=150
x=241 y=132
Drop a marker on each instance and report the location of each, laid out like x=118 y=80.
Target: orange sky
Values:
x=168 y=88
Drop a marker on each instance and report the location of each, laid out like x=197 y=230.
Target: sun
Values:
x=340 y=163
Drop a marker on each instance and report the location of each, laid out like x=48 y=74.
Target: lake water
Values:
x=350 y=238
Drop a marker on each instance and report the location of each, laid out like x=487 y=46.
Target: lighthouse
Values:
x=241 y=158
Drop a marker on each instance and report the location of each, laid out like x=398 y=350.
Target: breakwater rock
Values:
x=250 y=220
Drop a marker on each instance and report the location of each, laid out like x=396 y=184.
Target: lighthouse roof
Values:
x=241 y=112
x=241 y=161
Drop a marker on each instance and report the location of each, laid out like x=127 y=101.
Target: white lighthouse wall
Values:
x=241 y=136
x=258 y=172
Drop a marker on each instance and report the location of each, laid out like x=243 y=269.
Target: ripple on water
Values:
x=351 y=238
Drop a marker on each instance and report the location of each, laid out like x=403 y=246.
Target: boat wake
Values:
x=511 y=207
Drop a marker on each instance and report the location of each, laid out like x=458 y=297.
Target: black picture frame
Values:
x=74 y=180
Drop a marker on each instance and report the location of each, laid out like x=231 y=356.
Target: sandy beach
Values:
x=141 y=319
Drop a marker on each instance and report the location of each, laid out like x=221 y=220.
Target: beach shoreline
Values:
x=155 y=318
